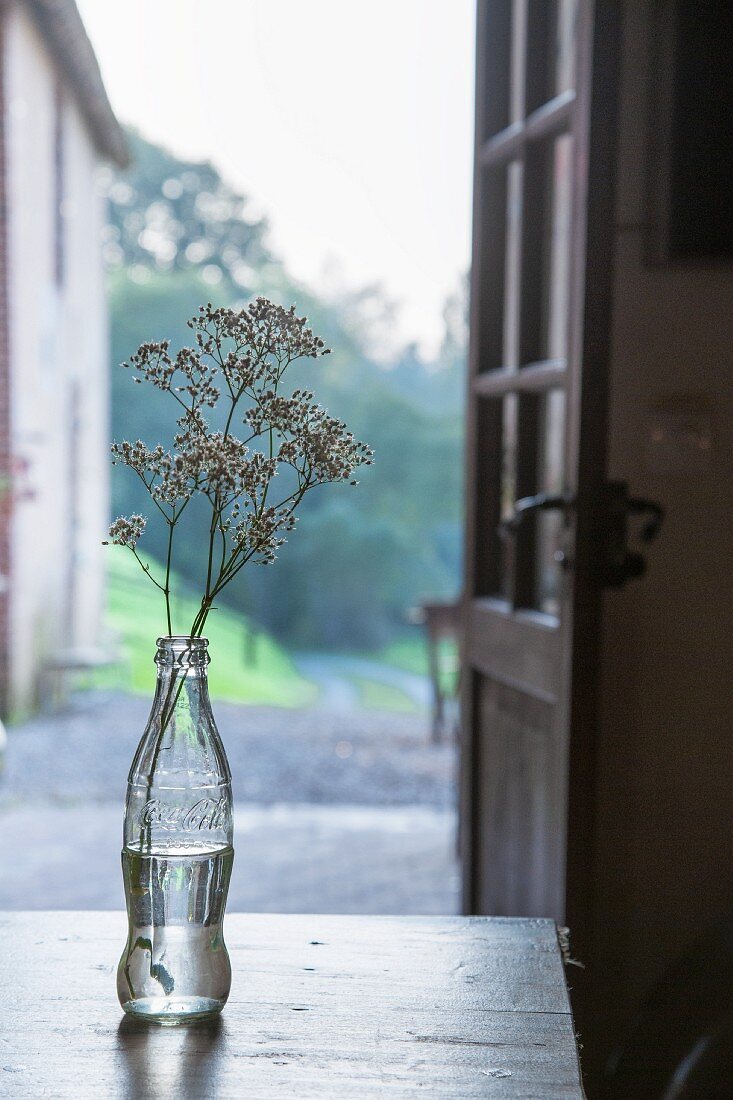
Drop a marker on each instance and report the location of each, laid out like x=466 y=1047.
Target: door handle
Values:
x=541 y=502
x=613 y=562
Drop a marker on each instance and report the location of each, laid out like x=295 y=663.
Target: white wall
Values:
x=86 y=357
x=57 y=343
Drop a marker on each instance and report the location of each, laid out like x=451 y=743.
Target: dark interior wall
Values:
x=664 y=838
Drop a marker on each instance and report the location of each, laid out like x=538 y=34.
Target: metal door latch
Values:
x=613 y=562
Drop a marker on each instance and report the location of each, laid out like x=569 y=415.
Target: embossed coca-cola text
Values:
x=204 y=814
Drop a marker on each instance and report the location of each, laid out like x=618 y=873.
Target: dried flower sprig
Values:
x=238 y=363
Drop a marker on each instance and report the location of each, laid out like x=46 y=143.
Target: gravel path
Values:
x=336 y=692
x=335 y=675
x=276 y=755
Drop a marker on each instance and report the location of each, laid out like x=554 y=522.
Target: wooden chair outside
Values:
x=442 y=620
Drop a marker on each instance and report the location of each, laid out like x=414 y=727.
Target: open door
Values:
x=544 y=530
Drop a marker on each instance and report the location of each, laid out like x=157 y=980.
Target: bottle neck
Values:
x=179 y=783
x=181 y=654
x=182 y=680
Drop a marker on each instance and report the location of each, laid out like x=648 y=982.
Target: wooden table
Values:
x=336 y=1007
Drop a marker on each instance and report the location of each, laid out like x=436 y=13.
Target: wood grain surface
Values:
x=321 y=1006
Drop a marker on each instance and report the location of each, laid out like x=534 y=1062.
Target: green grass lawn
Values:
x=377 y=696
x=409 y=652
x=245 y=668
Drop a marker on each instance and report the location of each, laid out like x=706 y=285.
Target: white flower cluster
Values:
x=125 y=531
x=262 y=532
x=236 y=372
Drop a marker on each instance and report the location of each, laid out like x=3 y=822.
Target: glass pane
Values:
x=551 y=38
x=550 y=525
x=495 y=29
x=498 y=276
x=499 y=204
x=547 y=205
x=510 y=345
x=556 y=316
x=508 y=489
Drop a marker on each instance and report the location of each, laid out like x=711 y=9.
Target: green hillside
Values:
x=245 y=667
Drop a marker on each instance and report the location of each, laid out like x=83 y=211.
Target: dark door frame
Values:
x=603 y=63
x=591 y=296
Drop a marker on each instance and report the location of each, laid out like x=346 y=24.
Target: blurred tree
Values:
x=358 y=560
x=172 y=215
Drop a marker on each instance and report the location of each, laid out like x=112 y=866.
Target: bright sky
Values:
x=349 y=124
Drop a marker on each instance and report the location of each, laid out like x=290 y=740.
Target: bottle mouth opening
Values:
x=181 y=641
x=182 y=651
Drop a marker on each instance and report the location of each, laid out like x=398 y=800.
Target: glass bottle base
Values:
x=169 y=1011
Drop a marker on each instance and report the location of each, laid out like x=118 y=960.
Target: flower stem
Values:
x=167 y=590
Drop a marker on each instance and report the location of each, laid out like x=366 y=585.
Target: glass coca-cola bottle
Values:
x=177 y=850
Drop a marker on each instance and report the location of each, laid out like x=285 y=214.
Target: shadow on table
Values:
x=183 y=1061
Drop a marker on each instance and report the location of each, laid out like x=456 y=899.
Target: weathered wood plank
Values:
x=340 y=1007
